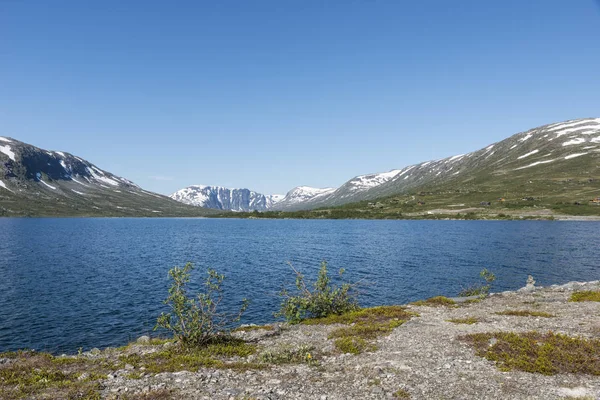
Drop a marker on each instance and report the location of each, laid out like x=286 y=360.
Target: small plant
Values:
x=589 y=295
x=301 y=354
x=196 y=321
x=322 y=301
x=480 y=289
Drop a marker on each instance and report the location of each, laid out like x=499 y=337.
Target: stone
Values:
x=143 y=340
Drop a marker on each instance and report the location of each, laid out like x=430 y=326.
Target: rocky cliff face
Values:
x=222 y=198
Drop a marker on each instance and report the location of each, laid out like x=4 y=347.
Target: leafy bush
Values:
x=323 y=300
x=196 y=321
x=480 y=289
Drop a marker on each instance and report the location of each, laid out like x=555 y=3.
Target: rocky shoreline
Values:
x=423 y=358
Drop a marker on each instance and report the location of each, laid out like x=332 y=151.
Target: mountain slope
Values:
x=564 y=150
x=301 y=195
x=35 y=181
x=221 y=198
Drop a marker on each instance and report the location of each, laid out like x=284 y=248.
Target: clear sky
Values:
x=275 y=94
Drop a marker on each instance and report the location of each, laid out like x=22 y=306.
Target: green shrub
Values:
x=196 y=321
x=323 y=300
x=480 y=289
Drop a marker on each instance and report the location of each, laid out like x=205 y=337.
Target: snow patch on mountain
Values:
x=8 y=151
x=3 y=185
x=528 y=154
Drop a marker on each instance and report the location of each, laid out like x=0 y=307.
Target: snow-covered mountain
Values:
x=222 y=198
x=35 y=181
x=300 y=195
x=550 y=151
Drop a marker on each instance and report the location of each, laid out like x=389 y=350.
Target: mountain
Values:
x=543 y=157
x=221 y=198
x=38 y=182
x=301 y=195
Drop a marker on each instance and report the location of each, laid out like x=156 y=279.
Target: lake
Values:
x=75 y=283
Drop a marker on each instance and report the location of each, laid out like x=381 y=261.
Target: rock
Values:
x=143 y=340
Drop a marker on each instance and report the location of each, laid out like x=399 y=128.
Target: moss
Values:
x=366 y=324
x=353 y=345
x=33 y=374
x=468 y=320
x=251 y=328
x=525 y=313
x=588 y=295
x=401 y=394
x=534 y=352
x=373 y=314
x=435 y=302
x=191 y=359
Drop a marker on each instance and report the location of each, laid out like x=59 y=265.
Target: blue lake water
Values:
x=71 y=283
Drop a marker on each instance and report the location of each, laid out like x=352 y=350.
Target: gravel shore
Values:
x=424 y=358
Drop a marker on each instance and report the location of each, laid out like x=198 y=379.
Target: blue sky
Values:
x=275 y=94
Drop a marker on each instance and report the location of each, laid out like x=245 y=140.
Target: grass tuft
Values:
x=534 y=352
x=435 y=302
x=401 y=394
x=467 y=321
x=526 y=313
x=588 y=295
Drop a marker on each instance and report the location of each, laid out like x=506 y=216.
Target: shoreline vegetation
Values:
x=531 y=343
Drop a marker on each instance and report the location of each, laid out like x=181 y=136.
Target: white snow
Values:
x=456 y=157
x=104 y=179
x=60 y=153
x=489 y=155
x=534 y=164
x=562 y=126
x=81 y=183
x=426 y=164
x=83 y=194
x=528 y=136
x=50 y=186
x=3 y=139
x=528 y=154
x=574 y=141
x=588 y=147
x=3 y=185
x=595 y=140
x=584 y=130
x=574 y=155
x=8 y=151
x=489 y=148
x=372 y=180
x=513 y=146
